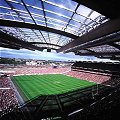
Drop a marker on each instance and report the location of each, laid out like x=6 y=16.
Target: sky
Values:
x=38 y=55
x=28 y=54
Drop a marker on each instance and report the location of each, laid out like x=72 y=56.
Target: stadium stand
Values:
x=98 y=67
x=113 y=81
x=46 y=70
x=85 y=75
x=8 y=100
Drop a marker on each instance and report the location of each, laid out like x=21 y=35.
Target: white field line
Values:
x=18 y=96
x=40 y=73
x=5 y=88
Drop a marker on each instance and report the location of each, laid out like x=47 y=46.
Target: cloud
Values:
x=28 y=54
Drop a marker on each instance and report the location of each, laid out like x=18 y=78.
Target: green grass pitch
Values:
x=50 y=84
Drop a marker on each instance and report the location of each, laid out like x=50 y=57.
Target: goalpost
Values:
x=95 y=90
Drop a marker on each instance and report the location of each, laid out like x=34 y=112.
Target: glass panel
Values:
x=45 y=34
x=36 y=3
x=29 y=20
x=39 y=18
x=40 y=22
x=72 y=31
x=52 y=21
x=93 y=24
x=74 y=28
x=3 y=3
x=88 y=21
x=58 y=16
x=64 y=40
x=104 y=48
x=79 y=18
x=54 y=15
x=94 y=15
x=55 y=26
x=3 y=10
x=18 y=6
x=65 y=3
x=57 y=10
x=75 y=23
x=36 y=11
x=83 y=10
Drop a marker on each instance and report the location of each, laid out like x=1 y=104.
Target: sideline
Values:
x=18 y=96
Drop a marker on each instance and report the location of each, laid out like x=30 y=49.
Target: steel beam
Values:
x=114 y=45
x=12 y=42
x=100 y=31
x=9 y=23
x=108 y=41
x=9 y=46
x=103 y=7
x=45 y=43
x=20 y=43
x=98 y=53
x=110 y=57
x=39 y=108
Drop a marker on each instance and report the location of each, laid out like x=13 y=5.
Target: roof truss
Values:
x=106 y=28
x=9 y=23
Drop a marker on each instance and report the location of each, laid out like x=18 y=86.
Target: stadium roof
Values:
x=83 y=27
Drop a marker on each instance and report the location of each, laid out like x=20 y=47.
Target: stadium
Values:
x=67 y=89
